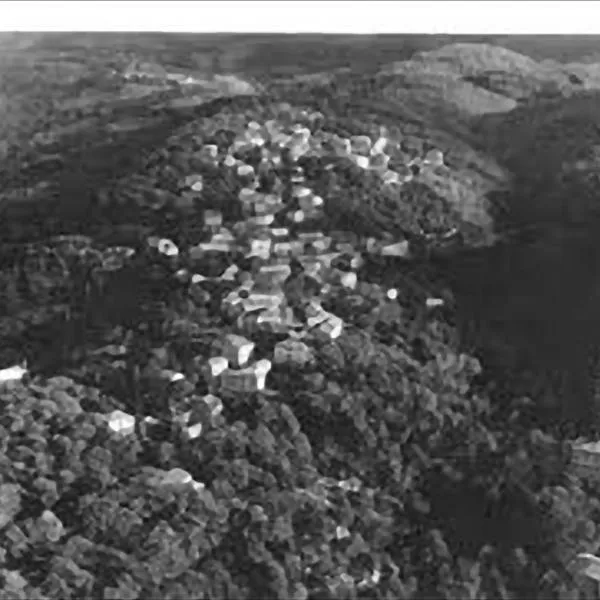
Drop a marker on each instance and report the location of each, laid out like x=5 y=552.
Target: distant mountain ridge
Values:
x=435 y=96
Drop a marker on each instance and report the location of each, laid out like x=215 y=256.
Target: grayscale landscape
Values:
x=299 y=316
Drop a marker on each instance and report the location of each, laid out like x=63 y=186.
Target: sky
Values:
x=316 y=16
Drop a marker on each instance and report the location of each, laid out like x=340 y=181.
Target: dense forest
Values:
x=306 y=317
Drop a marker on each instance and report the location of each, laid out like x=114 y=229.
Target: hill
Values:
x=248 y=320
x=437 y=99
x=433 y=100
x=303 y=53
x=538 y=156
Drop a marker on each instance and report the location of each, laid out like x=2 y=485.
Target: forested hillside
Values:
x=283 y=328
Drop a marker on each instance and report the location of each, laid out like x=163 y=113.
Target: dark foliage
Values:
x=391 y=466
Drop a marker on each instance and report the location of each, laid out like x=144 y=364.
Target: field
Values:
x=297 y=316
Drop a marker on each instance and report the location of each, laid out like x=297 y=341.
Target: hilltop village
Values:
x=257 y=327
x=270 y=273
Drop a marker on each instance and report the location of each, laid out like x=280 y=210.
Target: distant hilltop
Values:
x=152 y=73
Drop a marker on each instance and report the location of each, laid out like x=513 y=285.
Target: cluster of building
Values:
x=153 y=73
x=285 y=275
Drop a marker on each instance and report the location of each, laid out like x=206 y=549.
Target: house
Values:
x=434 y=302
x=301 y=288
x=121 y=422
x=260 y=248
x=202 y=415
x=192 y=428
x=231 y=305
x=280 y=139
x=249 y=196
x=292 y=352
x=324 y=259
x=392 y=177
x=213 y=219
x=300 y=191
x=317 y=202
x=210 y=151
x=175 y=478
x=215 y=366
x=357 y=261
x=280 y=232
x=308 y=237
x=230 y=161
x=271 y=277
x=313 y=266
x=271 y=126
x=218 y=243
x=248 y=380
x=289 y=248
x=290 y=321
x=277 y=320
x=404 y=173
x=274 y=202
x=210 y=262
x=199 y=252
x=360 y=161
x=231 y=273
x=214 y=404
x=305 y=202
x=347 y=279
x=379 y=146
x=316 y=116
x=255 y=133
x=163 y=246
x=399 y=249
x=235 y=297
x=434 y=158
x=315 y=314
x=280 y=260
x=309 y=201
x=198 y=289
x=204 y=410
x=300 y=136
x=195 y=182
x=271 y=320
x=246 y=171
x=360 y=144
x=298 y=148
x=345 y=247
x=186 y=200
x=264 y=208
x=261 y=221
x=341 y=146
x=255 y=138
x=301 y=133
x=330 y=329
x=237 y=349
x=379 y=163
x=242 y=146
x=311 y=215
x=297 y=175
x=344 y=237
x=223 y=235
x=373 y=245
x=297 y=216
x=321 y=245
x=262 y=301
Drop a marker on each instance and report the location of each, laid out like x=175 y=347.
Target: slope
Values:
x=333 y=473
x=531 y=302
